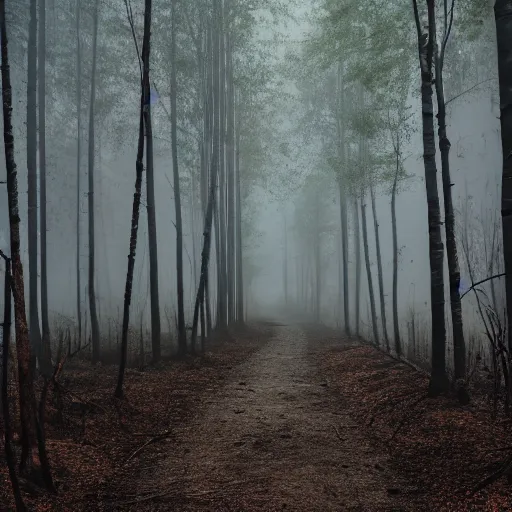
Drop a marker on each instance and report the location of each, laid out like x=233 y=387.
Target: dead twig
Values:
x=407 y=416
x=82 y=400
x=337 y=432
x=146 y=498
x=79 y=349
x=197 y=494
x=159 y=437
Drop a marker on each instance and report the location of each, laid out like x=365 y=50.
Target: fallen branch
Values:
x=82 y=400
x=505 y=469
x=146 y=498
x=153 y=440
x=398 y=359
x=197 y=494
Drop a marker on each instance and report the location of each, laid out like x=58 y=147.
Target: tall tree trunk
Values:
x=343 y=196
x=209 y=111
x=216 y=95
x=6 y=338
x=340 y=272
x=95 y=328
x=78 y=161
x=192 y=213
x=150 y=198
x=492 y=260
x=34 y=331
x=26 y=385
x=396 y=325
x=208 y=307
x=139 y=166
x=312 y=286
x=503 y=17
x=46 y=349
x=344 y=253
x=285 y=260
x=182 y=335
x=139 y=170
x=230 y=136
x=459 y=345
x=239 y=268
x=318 y=270
x=203 y=326
x=216 y=222
x=205 y=86
x=222 y=306
x=297 y=284
x=369 y=273
x=306 y=284
x=379 y=269
x=301 y=302
x=357 y=244
x=205 y=254
x=426 y=42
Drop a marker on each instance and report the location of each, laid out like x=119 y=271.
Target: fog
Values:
x=283 y=102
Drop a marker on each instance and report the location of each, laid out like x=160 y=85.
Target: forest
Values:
x=256 y=255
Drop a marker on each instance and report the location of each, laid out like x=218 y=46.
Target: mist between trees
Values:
x=340 y=159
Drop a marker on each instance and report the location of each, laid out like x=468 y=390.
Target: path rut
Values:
x=273 y=439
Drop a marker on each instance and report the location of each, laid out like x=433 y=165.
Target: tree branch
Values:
x=417 y=17
x=447 y=32
x=168 y=114
x=505 y=468
x=129 y=14
x=481 y=282
x=469 y=90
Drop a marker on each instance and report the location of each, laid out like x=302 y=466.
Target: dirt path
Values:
x=273 y=439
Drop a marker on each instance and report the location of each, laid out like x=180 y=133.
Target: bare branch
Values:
x=417 y=17
x=447 y=31
x=503 y=470
x=129 y=14
x=168 y=114
x=481 y=282
x=470 y=89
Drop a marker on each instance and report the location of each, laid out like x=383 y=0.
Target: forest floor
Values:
x=279 y=417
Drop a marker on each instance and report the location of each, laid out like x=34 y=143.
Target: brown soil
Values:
x=273 y=438
x=88 y=452
x=278 y=418
x=443 y=449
